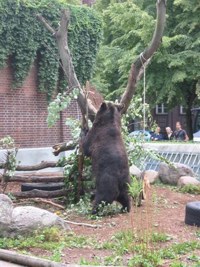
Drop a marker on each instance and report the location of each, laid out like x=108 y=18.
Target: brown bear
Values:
x=104 y=144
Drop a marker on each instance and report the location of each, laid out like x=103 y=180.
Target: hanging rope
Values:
x=143 y=60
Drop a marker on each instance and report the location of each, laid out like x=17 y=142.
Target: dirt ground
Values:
x=163 y=211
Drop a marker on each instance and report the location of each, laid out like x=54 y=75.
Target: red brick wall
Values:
x=23 y=113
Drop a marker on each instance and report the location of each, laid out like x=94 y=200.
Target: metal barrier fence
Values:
x=190 y=159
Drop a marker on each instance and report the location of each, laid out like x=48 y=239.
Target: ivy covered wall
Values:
x=24 y=40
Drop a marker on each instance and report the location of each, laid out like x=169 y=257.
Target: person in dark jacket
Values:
x=157 y=136
x=180 y=134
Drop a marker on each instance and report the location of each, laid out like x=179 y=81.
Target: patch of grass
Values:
x=198 y=233
x=179 y=249
x=160 y=237
x=94 y=262
x=129 y=241
x=122 y=242
x=150 y=259
x=191 y=189
x=51 y=239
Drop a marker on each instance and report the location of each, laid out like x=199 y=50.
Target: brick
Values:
x=23 y=113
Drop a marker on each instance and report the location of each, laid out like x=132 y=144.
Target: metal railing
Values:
x=188 y=158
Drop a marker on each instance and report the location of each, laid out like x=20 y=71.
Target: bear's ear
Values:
x=103 y=107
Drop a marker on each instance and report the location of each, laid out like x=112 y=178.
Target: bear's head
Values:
x=108 y=113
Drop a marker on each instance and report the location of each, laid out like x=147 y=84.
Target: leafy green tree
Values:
x=174 y=72
x=125 y=36
x=173 y=75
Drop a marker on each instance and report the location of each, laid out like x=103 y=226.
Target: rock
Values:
x=27 y=219
x=151 y=175
x=170 y=174
x=135 y=171
x=6 y=209
x=185 y=180
x=24 y=220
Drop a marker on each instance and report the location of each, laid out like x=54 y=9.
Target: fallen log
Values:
x=41 y=165
x=31 y=261
x=35 y=179
x=40 y=193
x=28 y=261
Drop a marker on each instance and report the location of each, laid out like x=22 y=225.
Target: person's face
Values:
x=178 y=126
x=168 y=130
x=158 y=130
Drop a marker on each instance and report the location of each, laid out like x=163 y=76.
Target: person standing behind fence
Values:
x=180 y=134
x=169 y=134
x=157 y=136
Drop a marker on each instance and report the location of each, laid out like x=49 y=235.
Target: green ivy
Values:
x=24 y=40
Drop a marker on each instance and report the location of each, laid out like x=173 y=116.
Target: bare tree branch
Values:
x=135 y=72
x=63 y=147
x=46 y=24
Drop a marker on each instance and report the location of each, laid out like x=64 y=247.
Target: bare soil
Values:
x=163 y=212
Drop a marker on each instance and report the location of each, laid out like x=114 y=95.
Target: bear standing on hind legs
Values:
x=104 y=144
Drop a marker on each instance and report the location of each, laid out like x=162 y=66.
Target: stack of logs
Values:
x=33 y=185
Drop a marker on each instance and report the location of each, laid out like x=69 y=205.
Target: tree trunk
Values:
x=190 y=96
x=40 y=166
x=137 y=67
x=189 y=129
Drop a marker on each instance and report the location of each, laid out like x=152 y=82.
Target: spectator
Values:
x=180 y=134
x=157 y=136
x=169 y=134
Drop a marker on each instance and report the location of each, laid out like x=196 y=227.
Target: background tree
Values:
x=174 y=72
x=173 y=75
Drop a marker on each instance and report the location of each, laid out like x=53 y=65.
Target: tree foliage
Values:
x=174 y=73
x=128 y=27
x=24 y=40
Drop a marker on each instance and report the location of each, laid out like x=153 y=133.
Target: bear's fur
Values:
x=104 y=144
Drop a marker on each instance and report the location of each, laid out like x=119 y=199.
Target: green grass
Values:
x=191 y=189
x=51 y=239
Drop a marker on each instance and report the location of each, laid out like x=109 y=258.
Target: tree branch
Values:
x=67 y=64
x=135 y=72
x=63 y=147
x=46 y=24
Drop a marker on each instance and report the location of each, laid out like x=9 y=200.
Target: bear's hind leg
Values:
x=100 y=201
x=124 y=200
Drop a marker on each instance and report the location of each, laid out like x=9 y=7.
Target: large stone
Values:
x=135 y=171
x=151 y=175
x=185 y=180
x=6 y=209
x=170 y=173
x=24 y=220
x=27 y=219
